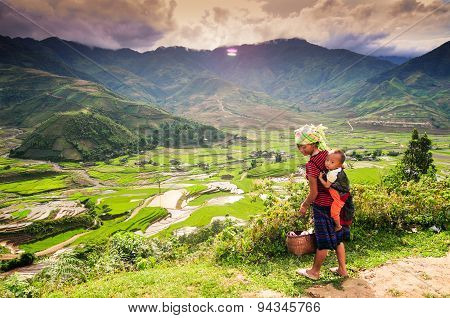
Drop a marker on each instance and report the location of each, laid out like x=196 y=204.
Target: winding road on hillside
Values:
x=222 y=108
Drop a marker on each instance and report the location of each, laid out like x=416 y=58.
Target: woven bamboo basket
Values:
x=301 y=244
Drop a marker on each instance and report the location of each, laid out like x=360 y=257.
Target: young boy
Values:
x=337 y=183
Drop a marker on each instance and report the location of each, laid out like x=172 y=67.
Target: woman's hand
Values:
x=303 y=210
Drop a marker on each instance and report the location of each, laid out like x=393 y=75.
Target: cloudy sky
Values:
x=396 y=27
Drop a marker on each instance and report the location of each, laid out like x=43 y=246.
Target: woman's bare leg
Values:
x=318 y=261
x=340 y=253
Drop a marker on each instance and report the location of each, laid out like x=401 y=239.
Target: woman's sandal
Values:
x=303 y=272
x=334 y=270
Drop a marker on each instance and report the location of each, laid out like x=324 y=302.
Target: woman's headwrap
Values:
x=310 y=134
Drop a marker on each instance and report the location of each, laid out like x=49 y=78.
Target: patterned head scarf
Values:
x=310 y=134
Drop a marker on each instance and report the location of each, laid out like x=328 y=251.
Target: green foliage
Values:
x=184 y=133
x=45 y=228
x=129 y=247
x=416 y=162
x=141 y=221
x=24 y=260
x=48 y=242
x=423 y=203
x=34 y=186
x=196 y=189
x=69 y=268
x=77 y=136
x=21 y=214
x=18 y=287
x=265 y=235
x=145 y=263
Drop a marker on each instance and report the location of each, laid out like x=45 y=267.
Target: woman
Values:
x=310 y=141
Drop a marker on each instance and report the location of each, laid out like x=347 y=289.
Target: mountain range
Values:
x=290 y=79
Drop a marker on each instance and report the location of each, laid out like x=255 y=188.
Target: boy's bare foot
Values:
x=307 y=273
x=338 y=271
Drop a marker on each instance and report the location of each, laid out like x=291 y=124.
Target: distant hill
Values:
x=394 y=59
x=417 y=91
x=77 y=136
x=30 y=98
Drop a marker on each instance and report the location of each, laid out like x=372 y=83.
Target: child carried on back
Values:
x=337 y=182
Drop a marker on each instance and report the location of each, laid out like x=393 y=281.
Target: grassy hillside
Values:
x=29 y=97
x=414 y=92
x=77 y=136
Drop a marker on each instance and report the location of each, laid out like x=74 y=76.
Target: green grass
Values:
x=273 y=169
x=12 y=166
x=202 y=277
x=195 y=189
x=124 y=200
x=119 y=178
x=50 y=241
x=245 y=184
x=141 y=221
x=205 y=197
x=21 y=214
x=242 y=209
x=370 y=175
x=3 y=250
x=30 y=187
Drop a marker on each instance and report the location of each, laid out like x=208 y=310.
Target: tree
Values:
x=278 y=157
x=418 y=159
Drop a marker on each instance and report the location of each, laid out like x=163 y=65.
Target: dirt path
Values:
x=348 y=122
x=27 y=271
x=222 y=108
x=59 y=246
x=140 y=207
x=410 y=277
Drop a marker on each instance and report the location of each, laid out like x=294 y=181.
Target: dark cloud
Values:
x=104 y=23
x=284 y=8
x=221 y=15
x=362 y=43
x=414 y=6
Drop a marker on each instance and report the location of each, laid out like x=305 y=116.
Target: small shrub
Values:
x=145 y=263
x=129 y=246
x=68 y=268
x=25 y=259
x=18 y=287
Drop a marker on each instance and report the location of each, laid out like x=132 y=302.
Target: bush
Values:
x=409 y=203
x=16 y=286
x=68 y=268
x=25 y=259
x=44 y=228
x=129 y=247
x=205 y=233
x=145 y=263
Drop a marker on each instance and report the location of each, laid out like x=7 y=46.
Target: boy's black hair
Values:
x=339 y=152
